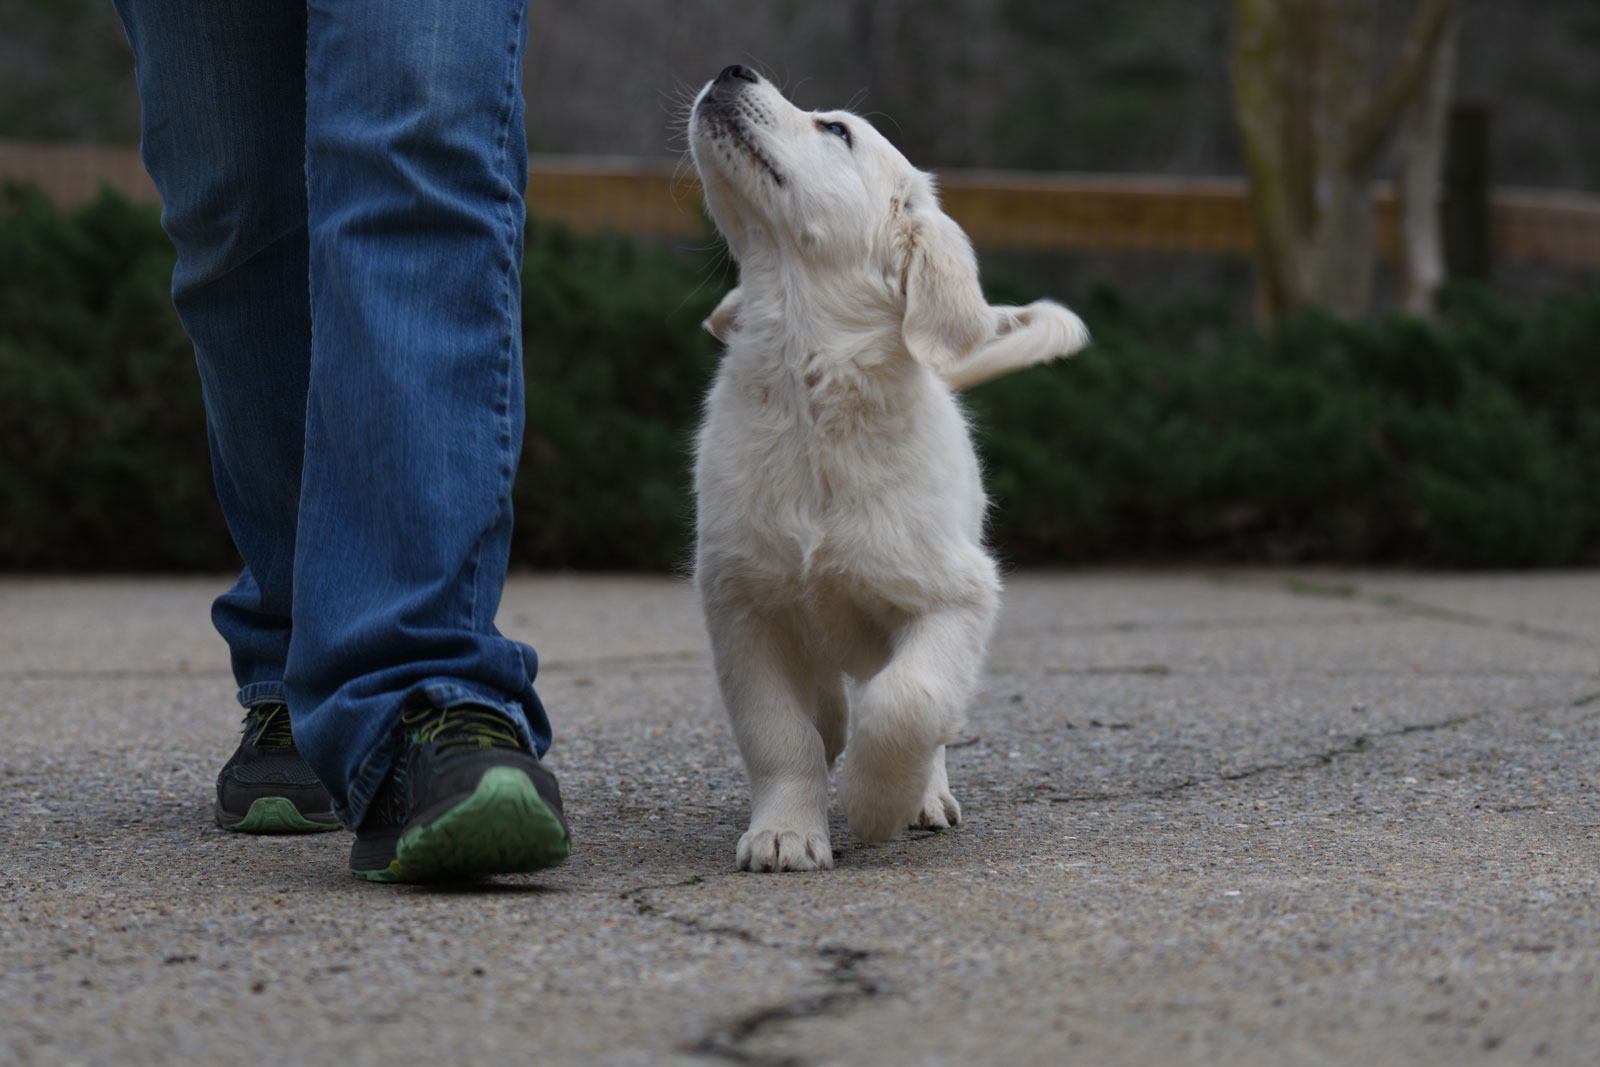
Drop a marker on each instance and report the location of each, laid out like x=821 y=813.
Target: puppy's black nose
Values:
x=740 y=71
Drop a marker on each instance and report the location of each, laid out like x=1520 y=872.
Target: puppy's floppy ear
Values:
x=946 y=315
x=725 y=319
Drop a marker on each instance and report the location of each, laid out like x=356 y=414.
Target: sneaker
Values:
x=267 y=787
x=463 y=799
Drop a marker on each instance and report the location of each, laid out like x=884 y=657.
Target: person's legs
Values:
x=416 y=167
x=395 y=483
x=222 y=90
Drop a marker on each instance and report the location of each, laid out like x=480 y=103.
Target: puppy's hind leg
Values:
x=833 y=717
x=894 y=773
x=782 y=749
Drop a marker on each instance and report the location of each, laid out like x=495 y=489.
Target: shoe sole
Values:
x=504 y=827
x=275 y=815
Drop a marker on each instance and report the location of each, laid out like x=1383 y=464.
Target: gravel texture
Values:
x=1245 y=817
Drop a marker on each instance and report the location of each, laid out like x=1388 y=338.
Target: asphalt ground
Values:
x=1235 y=817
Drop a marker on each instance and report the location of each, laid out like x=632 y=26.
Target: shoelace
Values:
x=271 y=725
x=460 y=727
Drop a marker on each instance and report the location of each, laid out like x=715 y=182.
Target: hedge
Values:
x=1473 y=441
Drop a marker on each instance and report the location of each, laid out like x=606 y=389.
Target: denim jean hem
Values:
x=258 y=693
x=365 y=785
x=452 y=694
x=439 y=694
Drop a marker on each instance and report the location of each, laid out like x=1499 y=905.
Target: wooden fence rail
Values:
x=1000 y=210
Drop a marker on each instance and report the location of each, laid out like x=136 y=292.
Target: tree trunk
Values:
x=1312 y=127
x=1421 y=263
x=1261 y=75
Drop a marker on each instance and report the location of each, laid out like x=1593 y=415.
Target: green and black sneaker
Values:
x=267 y=787
x=464 y=799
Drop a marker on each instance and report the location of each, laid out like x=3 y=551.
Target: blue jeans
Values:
x=344 y=185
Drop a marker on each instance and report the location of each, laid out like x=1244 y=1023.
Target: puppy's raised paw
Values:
x=875 y=814
x=784 y=850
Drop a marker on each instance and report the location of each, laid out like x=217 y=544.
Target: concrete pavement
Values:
x=1236 y=817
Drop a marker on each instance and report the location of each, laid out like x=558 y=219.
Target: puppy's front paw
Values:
x=940 y=811
x=784 y=850
x=875 y=814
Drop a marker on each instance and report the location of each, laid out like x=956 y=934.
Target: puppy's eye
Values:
x=838 y=129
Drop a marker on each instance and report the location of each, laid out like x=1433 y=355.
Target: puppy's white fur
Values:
x=840 y=504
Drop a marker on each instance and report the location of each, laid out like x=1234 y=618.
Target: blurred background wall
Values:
x=1082 y=85
x=1091 y=86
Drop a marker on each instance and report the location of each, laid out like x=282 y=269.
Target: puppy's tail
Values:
x=1038 y=333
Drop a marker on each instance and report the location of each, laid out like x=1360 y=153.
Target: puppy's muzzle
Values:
x=727 y=111
x=721 y=97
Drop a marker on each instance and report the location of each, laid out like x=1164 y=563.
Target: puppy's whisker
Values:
x=716 y=269
x=715 y=247
x=781 y=83
x=761 y=67
x=673 y=102
x=885 y=116
x=685 y=301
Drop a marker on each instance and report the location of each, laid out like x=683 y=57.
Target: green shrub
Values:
x=616 y=364
x=1474 y=441
x=1467 y=443
x=102 y=437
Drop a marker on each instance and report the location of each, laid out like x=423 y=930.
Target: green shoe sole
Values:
x=504 y=827
x=274 y=815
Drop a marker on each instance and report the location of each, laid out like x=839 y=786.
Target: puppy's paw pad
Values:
x=784 y=850
x=940 y=811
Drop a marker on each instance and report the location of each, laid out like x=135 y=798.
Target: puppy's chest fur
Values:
x=827 y=423
x=816 y=469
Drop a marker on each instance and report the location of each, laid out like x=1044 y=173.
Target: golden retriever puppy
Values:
x=840 y=558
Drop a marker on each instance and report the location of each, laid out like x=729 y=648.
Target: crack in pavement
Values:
x=1405 y=605
x=1153 y=670
x=1262 y=622
x=727 y=1043
x=846 y=985
x=675 y=658
x=1361 y=743
x=1428 y=611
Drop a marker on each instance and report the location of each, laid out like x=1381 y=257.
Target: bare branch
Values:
x=1377 y=117
x=1421 y=265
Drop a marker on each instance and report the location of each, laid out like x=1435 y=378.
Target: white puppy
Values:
x=840 y=528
